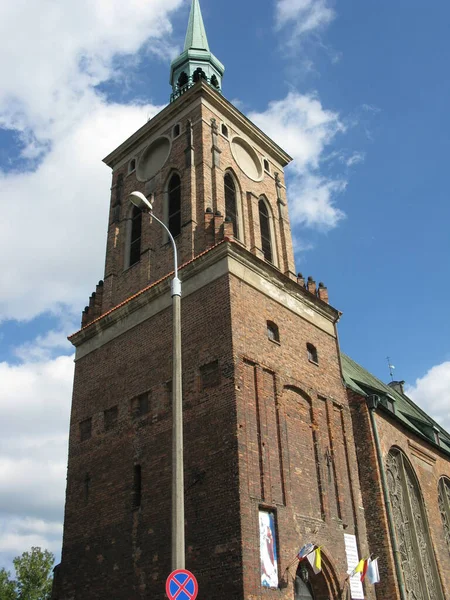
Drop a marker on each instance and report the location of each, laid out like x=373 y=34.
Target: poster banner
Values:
x=351 y=550
x=268 y=549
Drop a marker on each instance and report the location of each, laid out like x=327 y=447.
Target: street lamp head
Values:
x=140 y=201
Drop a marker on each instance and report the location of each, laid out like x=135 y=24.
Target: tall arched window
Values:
x=174 y=205
x=231 y=202
x=135 y=236
x=416 y=554
x=444 y=506
x=264 y=224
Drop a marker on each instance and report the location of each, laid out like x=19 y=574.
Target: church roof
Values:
x=405 y=410
x=196 y=34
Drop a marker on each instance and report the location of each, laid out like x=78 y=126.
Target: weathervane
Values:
x=391 y=368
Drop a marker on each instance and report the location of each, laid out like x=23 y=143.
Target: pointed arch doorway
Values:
x=302 y=590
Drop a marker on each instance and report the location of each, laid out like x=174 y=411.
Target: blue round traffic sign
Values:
x=181 y=585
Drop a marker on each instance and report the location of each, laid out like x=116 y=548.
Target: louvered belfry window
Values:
x=231 y=203
x=135 y=238
x=174 y=200
x=264 y=223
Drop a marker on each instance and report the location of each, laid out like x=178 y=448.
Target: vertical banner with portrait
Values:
x=268 y=549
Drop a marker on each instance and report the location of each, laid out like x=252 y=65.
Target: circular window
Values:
x=153 y=159
x=246 y=158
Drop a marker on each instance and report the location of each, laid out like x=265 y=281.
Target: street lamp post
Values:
x=178 y=546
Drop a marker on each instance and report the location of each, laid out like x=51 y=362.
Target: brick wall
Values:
x=429 y=465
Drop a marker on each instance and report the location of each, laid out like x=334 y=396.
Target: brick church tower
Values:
x=269 y=458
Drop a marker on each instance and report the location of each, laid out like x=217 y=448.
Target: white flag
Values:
x=373 y=574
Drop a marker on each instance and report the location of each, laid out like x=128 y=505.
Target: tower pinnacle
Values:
x=196 y=61
x=196 y=35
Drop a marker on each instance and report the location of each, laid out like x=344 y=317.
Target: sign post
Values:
x=181 y=585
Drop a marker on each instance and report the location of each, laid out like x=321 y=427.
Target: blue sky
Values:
x=356 y=92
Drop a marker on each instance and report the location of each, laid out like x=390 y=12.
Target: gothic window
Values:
x=135 y=236
x=264 y=223
x=132 y=165
x=444 y=507
x=224 y=130
x=273 y=332
x=411 y=530
x=174 y=205
x=231 y=202
x=312 y=353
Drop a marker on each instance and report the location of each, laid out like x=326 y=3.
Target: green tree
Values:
x=7 y=586
x=34 y=574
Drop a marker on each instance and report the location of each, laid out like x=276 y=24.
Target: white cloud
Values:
x=432 y=393
x=34 y=421
x=301 y=125
x=304 y=16
x=48 y=96
x=61 y=207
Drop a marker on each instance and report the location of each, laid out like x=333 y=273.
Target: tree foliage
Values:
x=33 y=577
x=7 y=586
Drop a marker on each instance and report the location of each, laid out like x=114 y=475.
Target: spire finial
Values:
x=196 y=34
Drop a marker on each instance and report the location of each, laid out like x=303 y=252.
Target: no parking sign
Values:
x=181 y=585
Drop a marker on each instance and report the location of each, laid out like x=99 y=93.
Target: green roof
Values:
x=196 y=34
x=405 y=410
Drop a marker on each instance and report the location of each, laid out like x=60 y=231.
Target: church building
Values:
x=270 y=459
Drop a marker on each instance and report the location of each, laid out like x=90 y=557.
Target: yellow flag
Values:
x=358 y=569
x=318 y=560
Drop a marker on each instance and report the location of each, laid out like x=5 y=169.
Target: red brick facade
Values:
x=267 y=423
x=429 y=466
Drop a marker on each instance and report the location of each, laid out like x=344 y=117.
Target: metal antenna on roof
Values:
x=391 y=368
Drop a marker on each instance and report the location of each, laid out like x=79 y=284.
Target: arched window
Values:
x=312 y=353
x=224 y=130
x=183 y=80
x=135 y=236
x=416 y=554
x=264 y=223
x=444 y=507
x=231 y=203
x=273 y=333
x=174 y=205
x=266 y=165
x=176 y=130
x=199 y=74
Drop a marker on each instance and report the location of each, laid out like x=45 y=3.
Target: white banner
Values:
x=351 y=550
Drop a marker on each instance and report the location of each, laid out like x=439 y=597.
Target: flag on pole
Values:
x=303 y=552
x=358 y=569
x=364 y=571
x=315 y=560
x=373 y=574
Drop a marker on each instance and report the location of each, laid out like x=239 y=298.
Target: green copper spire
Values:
x=196 y=62
x=196 y=34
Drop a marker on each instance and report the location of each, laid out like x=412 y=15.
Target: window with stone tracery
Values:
x=416 y=553
x=444 y=507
